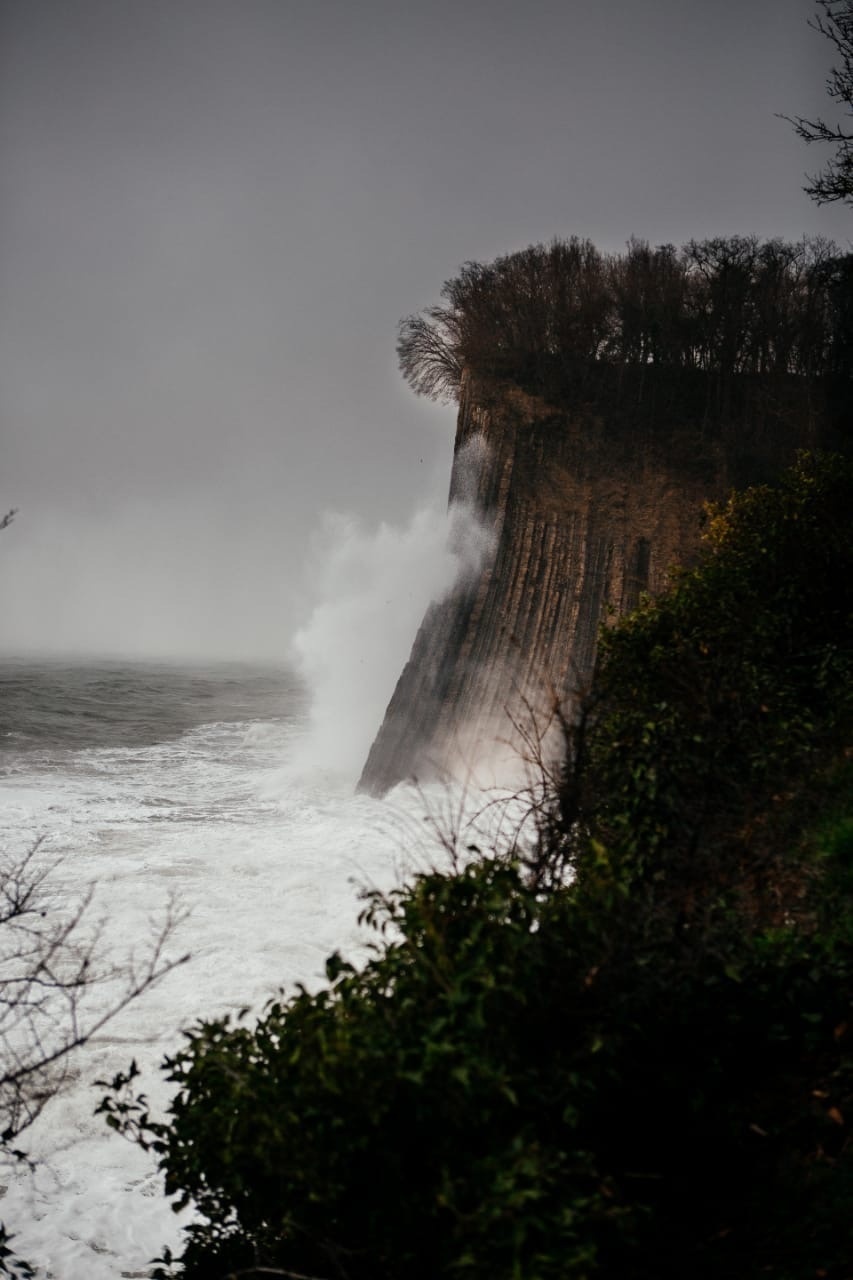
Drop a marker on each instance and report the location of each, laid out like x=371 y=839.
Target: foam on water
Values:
x=206 y=786
x=268 y=859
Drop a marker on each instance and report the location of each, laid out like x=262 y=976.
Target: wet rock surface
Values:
x=588 y=506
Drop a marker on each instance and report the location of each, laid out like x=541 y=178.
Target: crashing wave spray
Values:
x=372 y=590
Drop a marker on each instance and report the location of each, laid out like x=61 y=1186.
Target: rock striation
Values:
x=588 y=505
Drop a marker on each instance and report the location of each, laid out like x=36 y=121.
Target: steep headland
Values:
x=591 y=474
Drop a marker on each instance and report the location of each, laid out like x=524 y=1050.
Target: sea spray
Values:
x=372 y=589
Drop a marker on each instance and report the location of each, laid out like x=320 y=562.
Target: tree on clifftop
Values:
x=835 y=181
x=543 y=317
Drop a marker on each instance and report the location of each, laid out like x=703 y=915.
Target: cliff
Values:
x=588 y=506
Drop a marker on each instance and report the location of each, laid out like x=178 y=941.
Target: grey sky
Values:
x=214 y=212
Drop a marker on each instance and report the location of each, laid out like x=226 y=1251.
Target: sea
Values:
x=151 y=792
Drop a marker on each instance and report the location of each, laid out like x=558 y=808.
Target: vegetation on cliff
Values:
x=548 y=316
x=627 y=1054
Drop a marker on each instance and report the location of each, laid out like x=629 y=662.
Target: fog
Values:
x=212 y=216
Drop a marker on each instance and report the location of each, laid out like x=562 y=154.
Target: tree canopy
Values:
x=539 y=317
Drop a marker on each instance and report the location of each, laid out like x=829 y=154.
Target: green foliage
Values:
x=719 y=701
x=644 y=1072
x=402 y=1120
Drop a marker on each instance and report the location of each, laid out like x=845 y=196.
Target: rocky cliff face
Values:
x=588 y=507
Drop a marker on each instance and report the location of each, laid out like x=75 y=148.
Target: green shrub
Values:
x=716 y=702
x=644 y=1072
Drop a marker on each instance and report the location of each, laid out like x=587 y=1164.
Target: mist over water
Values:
x=169 y=577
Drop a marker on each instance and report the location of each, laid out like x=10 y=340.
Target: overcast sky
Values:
x=213 y=214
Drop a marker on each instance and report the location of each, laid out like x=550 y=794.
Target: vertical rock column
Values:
x=585 y=514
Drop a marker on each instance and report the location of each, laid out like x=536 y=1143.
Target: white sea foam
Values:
x=254 y=828
x=268 y=857
x=269 y=862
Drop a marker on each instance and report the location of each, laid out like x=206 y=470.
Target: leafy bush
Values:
x=715 y=704
x=643 y=1071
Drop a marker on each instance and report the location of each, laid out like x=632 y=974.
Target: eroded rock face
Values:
x=587 y=508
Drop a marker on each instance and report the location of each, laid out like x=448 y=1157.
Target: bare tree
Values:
x=57 y=990
x=835 y=181
x=543 y=317
x=427 y=349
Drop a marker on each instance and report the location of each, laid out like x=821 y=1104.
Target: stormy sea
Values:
x=147 y=785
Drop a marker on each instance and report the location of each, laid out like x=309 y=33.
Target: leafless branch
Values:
x=52 y=985
x=835 y=181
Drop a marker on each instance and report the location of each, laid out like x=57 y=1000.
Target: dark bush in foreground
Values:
x=645 y=1072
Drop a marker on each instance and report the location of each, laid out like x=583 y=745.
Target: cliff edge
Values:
x=602 y=399
x=588 y=506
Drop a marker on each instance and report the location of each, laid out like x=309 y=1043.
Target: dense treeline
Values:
x=727 y=306
x=623 y=1054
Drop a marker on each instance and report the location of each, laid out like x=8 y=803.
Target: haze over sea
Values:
x=150 y=781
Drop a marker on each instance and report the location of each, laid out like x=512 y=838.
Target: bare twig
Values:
x=835 y=181
x=50 y=964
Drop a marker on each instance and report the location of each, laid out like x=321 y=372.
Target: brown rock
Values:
x=590 y=505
